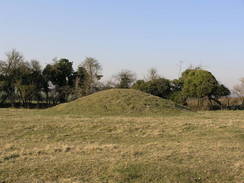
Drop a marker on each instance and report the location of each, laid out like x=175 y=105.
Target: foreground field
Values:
x=202 y=147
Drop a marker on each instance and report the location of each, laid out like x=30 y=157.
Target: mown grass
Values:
x=204 y=147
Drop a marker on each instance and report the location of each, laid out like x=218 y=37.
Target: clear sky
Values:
x=129 y=34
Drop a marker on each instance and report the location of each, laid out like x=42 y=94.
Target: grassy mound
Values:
x=118 y=102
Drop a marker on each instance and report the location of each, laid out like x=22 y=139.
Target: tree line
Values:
x=25 y=82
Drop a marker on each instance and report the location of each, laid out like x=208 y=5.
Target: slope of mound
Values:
x=118 y=102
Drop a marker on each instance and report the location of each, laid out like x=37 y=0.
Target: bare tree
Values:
x=93 y=69
x=13 y=61
x=8 y=71
x=239 y=90
x=180 y=67
x=35 y=65
x=125 y=79
x=152 y=75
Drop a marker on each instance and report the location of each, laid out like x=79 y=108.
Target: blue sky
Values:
x=130 y=34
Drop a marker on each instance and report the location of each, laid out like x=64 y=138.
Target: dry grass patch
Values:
x=204 y=147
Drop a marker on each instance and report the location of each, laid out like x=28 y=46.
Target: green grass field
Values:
x=119 y=102
x=204 y=147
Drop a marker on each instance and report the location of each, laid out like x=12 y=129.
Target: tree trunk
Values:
x=4 y=99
